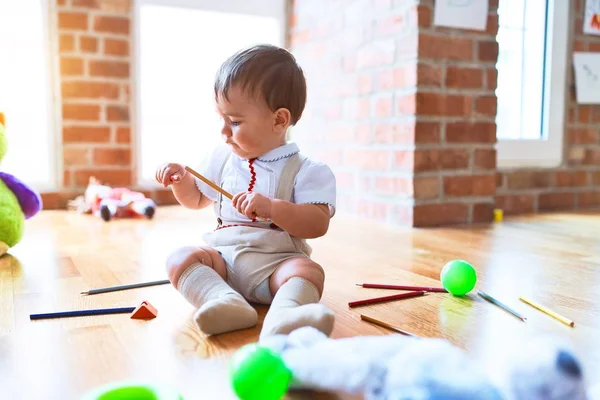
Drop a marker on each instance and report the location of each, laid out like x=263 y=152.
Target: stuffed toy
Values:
x=108 y=203
x=398 y=367
x=18 y=202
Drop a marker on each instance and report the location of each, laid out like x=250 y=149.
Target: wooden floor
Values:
x=553 y=259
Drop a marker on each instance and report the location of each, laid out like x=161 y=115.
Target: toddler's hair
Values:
x=268 y=72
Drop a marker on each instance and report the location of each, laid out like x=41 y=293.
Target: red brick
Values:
x=492 y=24
x=594 y=47
x=528 y=179
x=427 y=132
x=116 y=47
x=488 y=51
x=483 y=212
x=592 y=156
x=424 y=16
x=88 y=89
x=572 y=178
x=588 y=199
x=595 y=177
x=390 y=24
x=492 y=78
x=515 y=204
x=596 y=115
x=404 y=77
x=71 y=66
x=345 y=180
x=123 y=134
x=471 y=132
x=437 y=104
x=429 y=75
x=76 y=156
x=408 y=48
x=364 y=83
x=88 y=44
x=576 y=155
x=443 y=47
x=439 y=214
x=86 y=134
x=120 y=6
x=115 y=69
x=80 y=112
x=111 y=24
x=111 y=156
x=72 y=20
x=164 y=197
x=368 y=159
x=111 y=177
x=499 y=180
x=394 y=133
x=556 y=201
x=579 y=45
x=583 y=135
x=426 y=188
x=393 y=185
x=486 y=105
x=66 y=43
x=384 y=105
x=435 y=160
x=585 y=113
x=464 y=78
x=470 y=185
x=363 y=134
x=485 y=159
x=117 y=113
x=68 y=178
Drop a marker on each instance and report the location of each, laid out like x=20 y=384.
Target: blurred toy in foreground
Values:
x=18 y=202
x=108 y=203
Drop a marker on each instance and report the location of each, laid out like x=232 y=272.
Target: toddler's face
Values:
x=249 y=126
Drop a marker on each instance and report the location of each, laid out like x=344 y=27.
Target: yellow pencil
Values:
x=559 y=317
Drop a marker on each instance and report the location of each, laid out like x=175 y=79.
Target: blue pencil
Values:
x=81 y=313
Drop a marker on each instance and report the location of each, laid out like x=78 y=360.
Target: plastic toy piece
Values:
x=127 y=390
x=144 y=311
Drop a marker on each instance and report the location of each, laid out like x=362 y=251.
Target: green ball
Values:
x=132 y=391
x=458 y=277
x=259 y=373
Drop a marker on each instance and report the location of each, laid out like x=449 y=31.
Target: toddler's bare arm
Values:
x=188 y=195
x=306 y=221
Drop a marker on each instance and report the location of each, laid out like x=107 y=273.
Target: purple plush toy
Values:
x=18 y=202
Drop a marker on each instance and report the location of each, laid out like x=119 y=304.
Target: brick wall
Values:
x=95 y=51
x=403 y=111
x=576 y=183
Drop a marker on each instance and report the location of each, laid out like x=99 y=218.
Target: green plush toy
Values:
x=18 y=202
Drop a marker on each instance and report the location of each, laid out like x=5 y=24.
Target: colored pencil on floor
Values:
x=546 y=311
x=82 y=313
x=386 y=325
x=375 y=300
x=492 y=300
x=402 y=287
x=125 y=287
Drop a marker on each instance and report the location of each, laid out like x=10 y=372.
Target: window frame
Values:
x=53 y=100
x=548 y=151
x=260 y=8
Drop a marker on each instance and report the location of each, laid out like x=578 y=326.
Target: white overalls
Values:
x=253 y=250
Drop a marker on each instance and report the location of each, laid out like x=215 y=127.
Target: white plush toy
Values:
x=397 y=367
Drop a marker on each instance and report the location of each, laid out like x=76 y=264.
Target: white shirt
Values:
x=314 y=184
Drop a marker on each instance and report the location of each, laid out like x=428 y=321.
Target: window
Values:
x=532 y=74
x=25 y=93
x=181 y=45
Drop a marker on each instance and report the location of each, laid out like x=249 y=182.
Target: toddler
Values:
x=258 y=252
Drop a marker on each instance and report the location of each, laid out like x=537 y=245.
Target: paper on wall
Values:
x=587 y=77
x=463 y=14
x=591 y=21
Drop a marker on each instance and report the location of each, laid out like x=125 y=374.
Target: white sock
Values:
x=220 y=308
x=295 y=305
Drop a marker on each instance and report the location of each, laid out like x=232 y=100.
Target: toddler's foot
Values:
x=225 y=314
x=295 y=306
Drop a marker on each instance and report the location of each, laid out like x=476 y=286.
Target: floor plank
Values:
x=550 y=258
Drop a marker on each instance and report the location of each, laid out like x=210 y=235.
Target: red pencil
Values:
x=402 y=287
x=400 y=296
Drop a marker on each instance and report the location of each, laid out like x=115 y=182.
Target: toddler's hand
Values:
x=252 y=204
x=170 y=173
